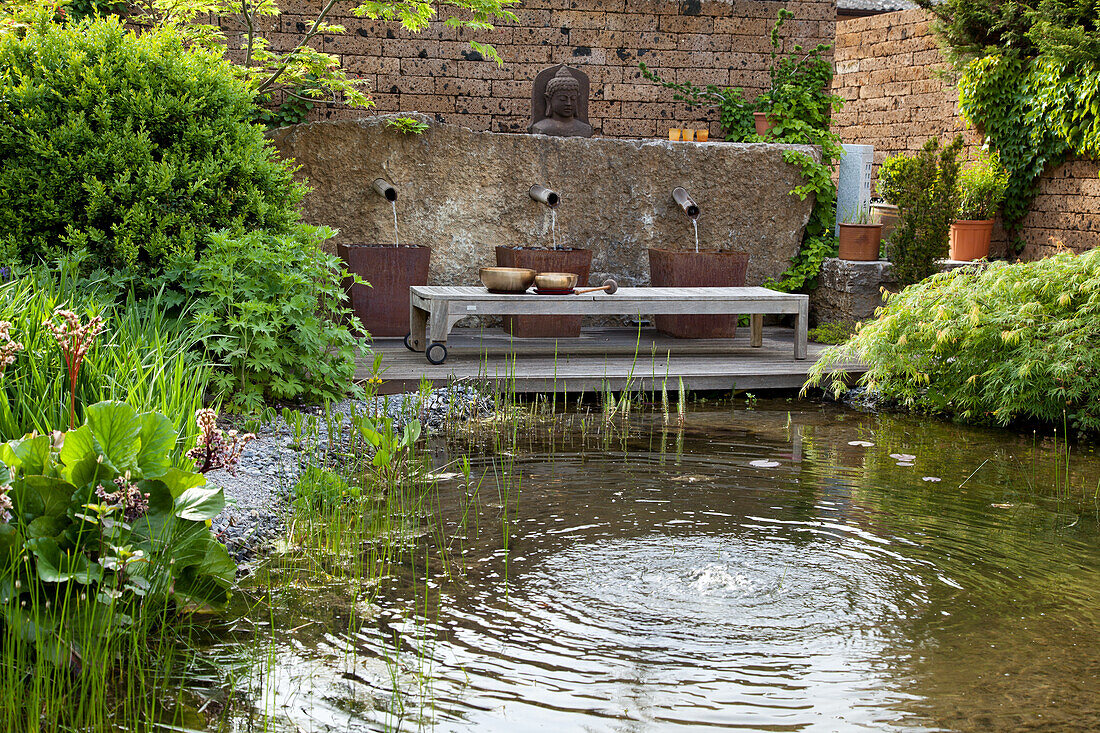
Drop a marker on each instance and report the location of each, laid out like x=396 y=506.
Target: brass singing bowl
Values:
x=555 y=281
x=507 y=279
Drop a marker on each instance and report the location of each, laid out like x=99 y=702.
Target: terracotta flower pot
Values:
x=860 y=242
x=763 y=124
x=577 y=261
x=669 y=269
x=383 y=306
x=970 y=239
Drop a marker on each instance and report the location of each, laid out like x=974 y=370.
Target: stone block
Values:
x=849 y=292
x=464 y=192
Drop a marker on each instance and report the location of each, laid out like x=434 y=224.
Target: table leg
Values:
x=418 y=327
x=800 y=325
x=756 y=327
x=440 y=323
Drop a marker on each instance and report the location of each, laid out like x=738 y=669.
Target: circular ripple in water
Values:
x=686 y=631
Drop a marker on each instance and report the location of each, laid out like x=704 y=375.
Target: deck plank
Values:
x=619 y=357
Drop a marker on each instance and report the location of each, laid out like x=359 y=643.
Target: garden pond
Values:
x=769 y=565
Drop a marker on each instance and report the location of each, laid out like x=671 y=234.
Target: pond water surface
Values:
x=754 y=570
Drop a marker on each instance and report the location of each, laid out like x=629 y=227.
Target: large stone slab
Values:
x=849 y=292
x=463 y=193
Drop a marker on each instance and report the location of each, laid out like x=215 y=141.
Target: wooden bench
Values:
x=434 y=309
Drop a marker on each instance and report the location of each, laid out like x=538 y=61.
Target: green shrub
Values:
x=274 y=304
x=144 y=357
x=103 y=513
x=834 y=332
x=1015 y=342
x=982 y=188
x=923 y=188
x=128 y=148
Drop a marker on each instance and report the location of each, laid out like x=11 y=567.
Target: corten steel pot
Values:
x=970 y=239
x=668 y=269
x=383 y=306
x=860 y=242
x=578 y=261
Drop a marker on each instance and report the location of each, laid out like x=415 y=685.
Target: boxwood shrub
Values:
x=127 y=149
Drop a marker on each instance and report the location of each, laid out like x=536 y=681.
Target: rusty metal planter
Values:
x=577 y=261
x=669 y=269
x=383 y=306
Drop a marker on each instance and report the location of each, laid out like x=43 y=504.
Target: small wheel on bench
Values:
x=408 y=342
x=436 y=353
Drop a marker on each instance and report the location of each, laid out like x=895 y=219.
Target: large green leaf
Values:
x=157 y=438
x=179 y=481
x=57 y=566
x=200 y=503
x=29 y=455
x=36 y=496
x=80 y=459
x=11 y=542
x=47 y=526
x=115 y=429
x=78 y=445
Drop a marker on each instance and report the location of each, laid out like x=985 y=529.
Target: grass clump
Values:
x=1015 y=342
x=834 y=332
x=145 y=357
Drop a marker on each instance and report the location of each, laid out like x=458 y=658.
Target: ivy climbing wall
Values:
x=436 y=72
x=891 y=75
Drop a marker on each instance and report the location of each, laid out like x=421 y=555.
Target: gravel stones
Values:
x=258 y=493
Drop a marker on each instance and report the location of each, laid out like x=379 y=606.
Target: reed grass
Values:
x=145 y=357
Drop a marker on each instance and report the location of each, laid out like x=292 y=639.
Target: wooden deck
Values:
x=618 y=357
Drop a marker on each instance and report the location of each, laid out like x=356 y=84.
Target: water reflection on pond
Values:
x=659 y=580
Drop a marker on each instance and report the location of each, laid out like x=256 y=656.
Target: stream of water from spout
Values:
x=554 y=227
x=695 y=223
x=396 y=241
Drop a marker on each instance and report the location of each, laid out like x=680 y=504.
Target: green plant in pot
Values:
x=981 y=190
x=860 y=236
x=555 y=258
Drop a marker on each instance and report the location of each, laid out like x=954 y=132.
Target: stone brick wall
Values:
x=888 y=72
x=436 y=72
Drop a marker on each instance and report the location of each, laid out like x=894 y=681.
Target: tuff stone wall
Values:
x=888 y=72
x=436 y=72
x=463 y=193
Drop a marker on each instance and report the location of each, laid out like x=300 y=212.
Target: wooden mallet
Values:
x=609 y=285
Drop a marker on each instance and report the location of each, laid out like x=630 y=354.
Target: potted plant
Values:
x=555 y=258
x=981 y=190
x=860 y=238
x=695 y=268
x=381 y=299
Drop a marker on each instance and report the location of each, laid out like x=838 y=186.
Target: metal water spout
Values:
x=545 y=196
x=684 y=201
x=385 y=190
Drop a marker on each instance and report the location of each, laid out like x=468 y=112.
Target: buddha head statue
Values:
x=562 y=95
